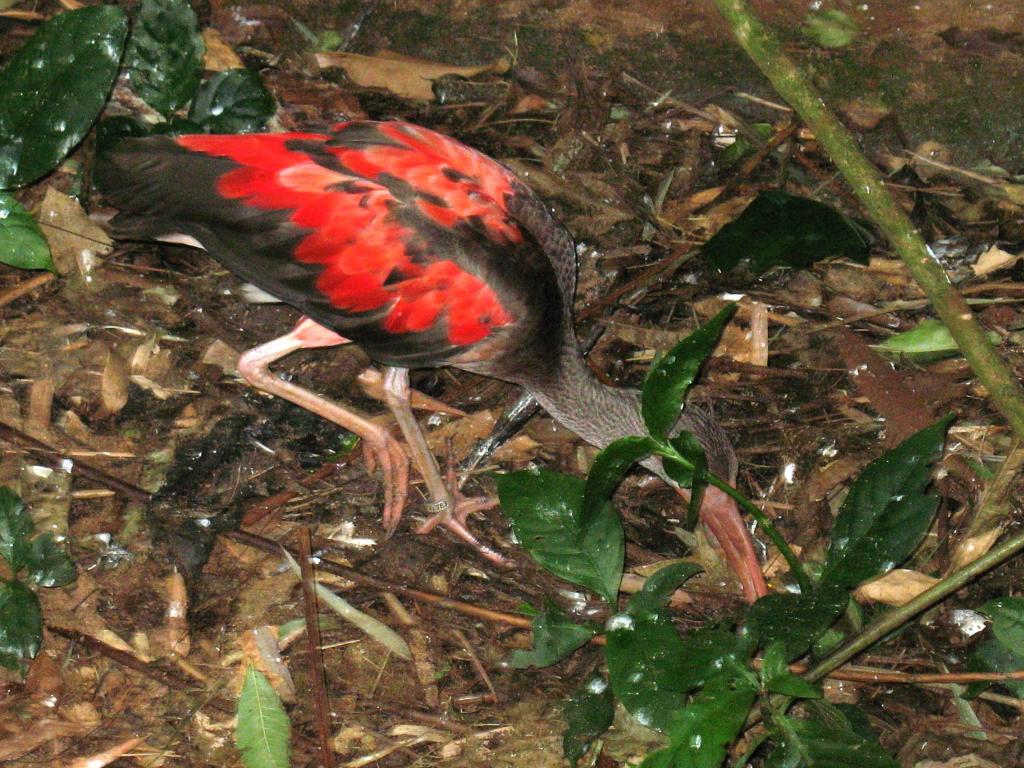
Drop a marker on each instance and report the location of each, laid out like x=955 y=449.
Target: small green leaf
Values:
x=825 y=740
x=48 y=564
x=165 y=53
x=22 y=243
x=53 y=88
x=555 y=636
x=16 y=529
x=545 y=511
x=830 y=29
x=927 y=342
x=741 y=147
x=588 y=713
x=671 y=375
x=795 y=620
x=780 y=229
x=656 y=591
x=233 y=101
x=994 y=656
x=777 y=678
x=263 y=730
x=21 y=621
x=692 y=475
x=608 y=469
x=1007 y=614
x=700 y=734
x=886 y=513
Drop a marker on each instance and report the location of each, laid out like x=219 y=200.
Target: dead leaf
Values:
x=823 y=480
x=405 y=76
x=222 y=356
x=219 y=55
x=461 y=435
x=895 y=588
x=993 y=260
x=963 y=761
x=115 y=385
x=75 y=240
x=259 y=648
x=972 y=548
x=42 y=731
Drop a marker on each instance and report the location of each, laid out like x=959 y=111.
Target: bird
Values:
x=422 y=251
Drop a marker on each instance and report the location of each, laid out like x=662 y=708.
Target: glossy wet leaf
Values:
x=545 y=511
x=16 y=529
x=692 y=474
x=656 y=591
x=53 y=88
x=777 y=678
x=232 y=101
x=608 y=469
x=780 y=229
x=796 y=621
x=1007 y=614
x=672 y=374
x=47 y=564
x=21 y=622
x=711 y=721
x=165 y=53
x=887 y=512
x=588 y=713
x=22 y=243
x=263 y=731
x=555 y=636
x=826 y=740
x=993 y=656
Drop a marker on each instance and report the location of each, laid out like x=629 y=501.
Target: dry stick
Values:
x=316 y=652
x=867 y=184
x=24 y=288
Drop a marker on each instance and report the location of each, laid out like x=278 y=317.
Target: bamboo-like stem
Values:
x=867 y=184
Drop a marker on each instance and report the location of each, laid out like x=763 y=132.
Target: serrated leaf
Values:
x=588 y=713
x=795 y=620
x=22 y=244
x=608 y=469
x=1007 y=614
x=780 y=229
x=263 y=731
x=886 y=513
x=21 y=621
x=47 y=564
x=165 y=53
x=701 y=732
x=232 y=101
x=545 y=511
x=555 y=636
x=817 y=743
x=16 y=529
x=777 y=678
x=671 y=375
x=53 y=88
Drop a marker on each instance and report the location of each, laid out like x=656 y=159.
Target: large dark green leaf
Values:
x=165 y=53
x=780 y=229
x=671 y=375
x=262 y=730
x=776 y=677
x=795 y=620
x=233 y=101
x=21 y=622
x=545 y=510
x=608 y=469
x=53 y=87
x=22 y=244
x=994 y=656
x=588 y=713
x=16 y=529
x=1007 y=614
x=555 y=636
x=826 y=740
x=886 y=513
x=700 y=733
x=47 y=564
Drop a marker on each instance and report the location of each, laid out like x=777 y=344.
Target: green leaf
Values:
x=777 y=678
x=656 y=591
x=608 y=469
x=21 y=621
x=700 y=734
x=928 y=341
x=110 y=131
x=692 y=475
x=555 y=636
x=545 y=511
x=48 y=564
x=176 y=126
x=830 y=29
x=16 y=529
x=263 y=730
x=165 y=53
x=22 y=243
x=993 y=656
x=741 y=147
x=795 y=620
x=824 y=741
x=780 y=229
x=233 y=101
x=886 y=513
x=1007 y=614
x=671 y=375
x=53 y=87
x=588 y=713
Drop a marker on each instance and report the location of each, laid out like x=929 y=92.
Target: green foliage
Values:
x=1007 y=614
x=165 y=53
x=53 y=87
x=887 y=512
x=263 y=732
x=830 y=29
x=780 y=229
x=795 y=620
x=44 y=564
x=994 y=656
x=545 y=510
x=824 y=740
x=234 y=101
x=776 y=677
x=588 y=713
x=555 y=636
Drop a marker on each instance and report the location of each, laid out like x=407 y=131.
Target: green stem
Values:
x=867 y=184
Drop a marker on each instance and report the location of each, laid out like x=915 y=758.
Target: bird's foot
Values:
x=383 y=450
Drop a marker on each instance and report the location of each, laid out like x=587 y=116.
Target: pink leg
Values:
x=446 y=511
x=254 y=366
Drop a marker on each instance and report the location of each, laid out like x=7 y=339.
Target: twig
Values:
x=316 y=651
x=477 y=666
x=21 y=289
